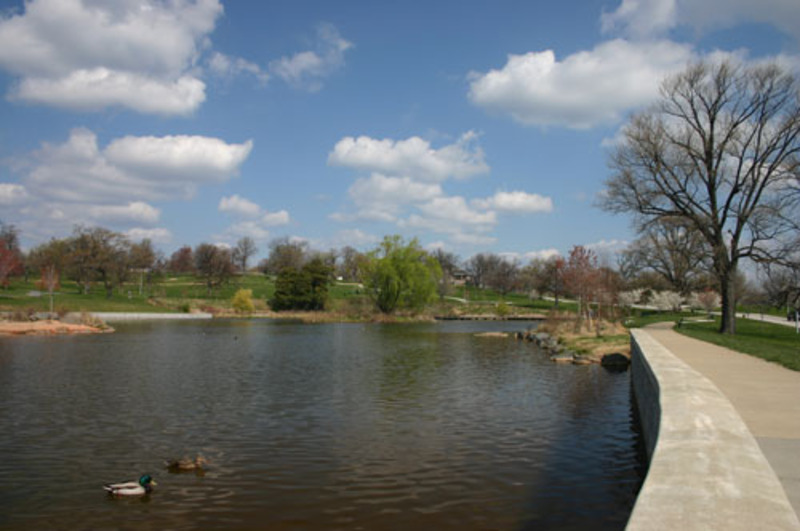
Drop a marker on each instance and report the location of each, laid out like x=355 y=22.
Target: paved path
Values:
x=769 y=318
x=766 y=395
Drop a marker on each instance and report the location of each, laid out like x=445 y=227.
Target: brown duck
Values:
x=186 y=464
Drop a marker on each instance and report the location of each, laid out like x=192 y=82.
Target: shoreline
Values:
x=48 y=327
x=70 y=325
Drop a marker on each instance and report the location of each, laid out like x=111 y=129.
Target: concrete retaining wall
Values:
x=110 y=317
x=706 y=469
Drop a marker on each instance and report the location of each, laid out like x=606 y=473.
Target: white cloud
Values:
x=131 y=168
x=583 y=90
x=257 y=227
x=307 y=69
x=454 y=209
x=78 y=181
x=229 y=67
x=382 y=198
x=516 y=202
x=461 y=238
x=646 y=18
x=158 y=235
x=413 y=158
x=454 y=217
x=354 y=238
x=136 y=211
x=90 y=90
x=197 y=159
x=642 y=18
x=90 y=55
x=543 y=254
x=273 y=219
x=607 y=247
x=252 y=229
x=239 y=206
x=12 y=194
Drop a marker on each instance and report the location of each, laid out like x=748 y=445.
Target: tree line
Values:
x=669 y=257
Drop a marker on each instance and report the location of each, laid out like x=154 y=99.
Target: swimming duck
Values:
x=186 y=464
x=131 y=488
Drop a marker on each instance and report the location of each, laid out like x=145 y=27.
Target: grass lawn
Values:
x=643 y=318
x=169 y=295
x=181 y=292
x=772 y=342
x=519 y=300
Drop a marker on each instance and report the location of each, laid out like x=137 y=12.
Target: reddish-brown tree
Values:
x=9 y=262
x=581 y=279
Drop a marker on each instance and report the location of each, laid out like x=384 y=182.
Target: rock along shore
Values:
x=561 y=354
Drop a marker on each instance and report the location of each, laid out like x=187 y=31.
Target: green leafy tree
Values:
x=305 y=288
x=291 y=290
x=401 y=275
x=318 y=271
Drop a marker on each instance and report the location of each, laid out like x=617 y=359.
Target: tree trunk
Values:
x=728 y=292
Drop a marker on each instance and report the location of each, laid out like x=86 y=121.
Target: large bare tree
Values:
x=671 y=249
x=719 y=150
x=245 y=248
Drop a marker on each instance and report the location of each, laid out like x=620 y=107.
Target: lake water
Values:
x=333 y=426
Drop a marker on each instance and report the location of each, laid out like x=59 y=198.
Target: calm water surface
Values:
x=341 y=426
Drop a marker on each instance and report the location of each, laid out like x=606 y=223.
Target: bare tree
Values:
x=143 y=259
x=99 y=254
x=448 y=262
x=286 y=253
x=182 y=260
x=10 y=255
x=672 y=249
x=213 y=264
x=245 y=248
x=782 y=285
x=348 y=264
x=50 y=259
x=480 y=266
x=581 y=279
x=719 y=151
x=503 y=276
x=551 y=277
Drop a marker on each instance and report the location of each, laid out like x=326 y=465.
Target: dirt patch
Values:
x=500 y=335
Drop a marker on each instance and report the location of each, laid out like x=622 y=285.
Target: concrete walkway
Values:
x=766 y=395
x=768 y=318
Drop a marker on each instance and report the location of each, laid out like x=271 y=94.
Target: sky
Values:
x=474 y=126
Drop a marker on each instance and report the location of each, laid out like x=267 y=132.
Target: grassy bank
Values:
x=768 y=341
x=587 y=340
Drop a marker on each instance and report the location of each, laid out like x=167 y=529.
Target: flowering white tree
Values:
x=630 y=297
x=667 y=300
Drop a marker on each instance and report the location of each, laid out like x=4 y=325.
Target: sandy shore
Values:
x=48 y=327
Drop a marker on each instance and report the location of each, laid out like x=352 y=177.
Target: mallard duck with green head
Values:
x=186 y=464
x=131 y=488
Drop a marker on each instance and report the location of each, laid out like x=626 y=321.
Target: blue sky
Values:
x=474 y=126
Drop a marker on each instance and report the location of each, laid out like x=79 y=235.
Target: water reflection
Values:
x=312 y=427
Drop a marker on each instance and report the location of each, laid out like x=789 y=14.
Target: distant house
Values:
x=460 y=277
